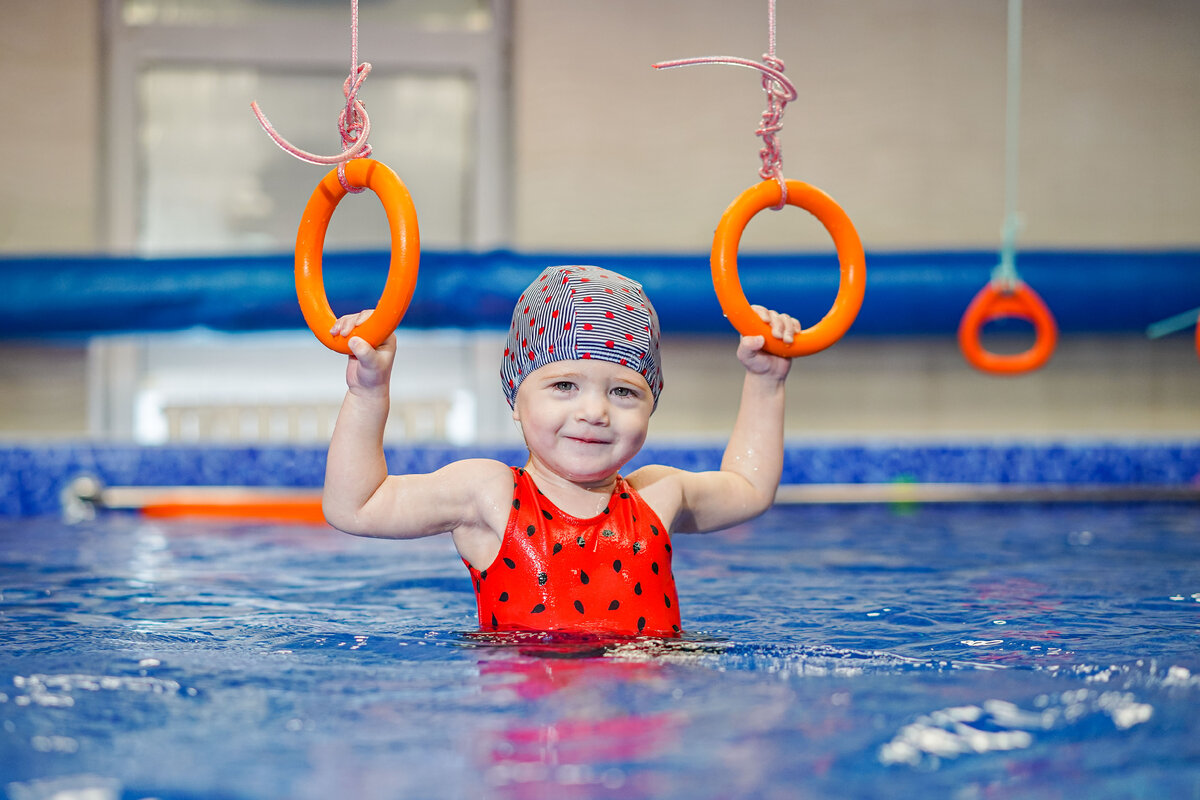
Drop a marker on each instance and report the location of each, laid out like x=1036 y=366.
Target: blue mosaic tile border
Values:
x=33 y=475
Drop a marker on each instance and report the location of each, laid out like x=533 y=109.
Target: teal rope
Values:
x=1006 y=271
x=1170 y=325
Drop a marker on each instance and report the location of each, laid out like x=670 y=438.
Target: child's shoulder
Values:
x=657 y=481
x=484 y=470
x=481 y=482
x=651 y=474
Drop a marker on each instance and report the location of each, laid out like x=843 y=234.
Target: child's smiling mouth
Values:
x=588 y=440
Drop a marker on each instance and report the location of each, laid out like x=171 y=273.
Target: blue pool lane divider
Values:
x=911 y=293
x=35 y=477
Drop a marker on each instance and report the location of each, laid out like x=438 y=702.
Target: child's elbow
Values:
x=761 y=504
x=338 y=516
x=759 y=499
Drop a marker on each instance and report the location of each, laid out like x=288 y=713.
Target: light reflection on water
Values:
x=830 y=653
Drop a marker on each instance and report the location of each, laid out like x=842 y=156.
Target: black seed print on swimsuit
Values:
x=583 y=577
x=608 y=534
x=579 y=606
x=637 y=588
x=638 y=547
x=607 y=510
x=539 y=608
x=614 y=605
x=516 y=501
x=654 y=567
x=530 y=531
x=557 y=548
x=503 y=597
x=641 y=624
x=495 y=622
x=617 y=565
x=547 y=514
x=542 y=579
x=508 y=562
x=667 y=599
x=483 y=575
x=654 y=529
x=582 y=542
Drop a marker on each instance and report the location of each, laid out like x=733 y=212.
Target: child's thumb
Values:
x=360 y=348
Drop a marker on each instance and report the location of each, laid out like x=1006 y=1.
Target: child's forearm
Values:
x=755 y=449
x=355 y=467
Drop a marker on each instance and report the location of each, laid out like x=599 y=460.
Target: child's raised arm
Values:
x=361 y=498
x=355 y=468
x=753 y=461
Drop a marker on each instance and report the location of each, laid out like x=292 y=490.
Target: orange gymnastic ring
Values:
x=993 y=302
x=850 y=255
x=406 y=253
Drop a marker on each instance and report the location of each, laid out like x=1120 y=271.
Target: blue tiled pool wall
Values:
x=32 y=476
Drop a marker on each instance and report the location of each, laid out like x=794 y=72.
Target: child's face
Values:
x=584 y=419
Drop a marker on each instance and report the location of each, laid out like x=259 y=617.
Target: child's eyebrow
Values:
x=555 y=377
x=632 y=383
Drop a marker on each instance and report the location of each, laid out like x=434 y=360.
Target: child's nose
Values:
x=593 y=408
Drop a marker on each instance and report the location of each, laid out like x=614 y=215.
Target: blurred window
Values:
x=191 y=171
x=471 y=15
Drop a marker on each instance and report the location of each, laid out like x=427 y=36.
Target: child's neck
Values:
x=582 y=500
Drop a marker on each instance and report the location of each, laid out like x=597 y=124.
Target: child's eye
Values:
x=624 y=391
x=564 y=386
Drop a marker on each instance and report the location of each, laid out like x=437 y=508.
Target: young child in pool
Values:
x=565 y=542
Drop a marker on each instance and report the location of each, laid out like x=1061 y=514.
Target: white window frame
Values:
x=482 y=56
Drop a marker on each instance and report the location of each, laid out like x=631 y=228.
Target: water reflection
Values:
x=595 y=712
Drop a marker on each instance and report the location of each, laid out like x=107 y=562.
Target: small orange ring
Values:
x=406 y=253
x=992 y=303
x=850 y=256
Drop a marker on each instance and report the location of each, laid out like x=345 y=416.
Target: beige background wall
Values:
x=900 y=117
x=51 y=126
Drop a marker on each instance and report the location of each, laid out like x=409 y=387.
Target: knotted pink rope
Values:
x=780 y=91
x=353 y=123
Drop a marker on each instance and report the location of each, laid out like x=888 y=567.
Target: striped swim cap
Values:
x=579 y=313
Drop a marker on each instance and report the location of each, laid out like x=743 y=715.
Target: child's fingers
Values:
x=345 y=324
x=783 y=326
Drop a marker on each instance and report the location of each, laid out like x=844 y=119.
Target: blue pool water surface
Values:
x=854 y=652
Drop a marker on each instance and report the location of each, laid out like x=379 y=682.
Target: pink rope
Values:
x=353 y=123
x=779 y=90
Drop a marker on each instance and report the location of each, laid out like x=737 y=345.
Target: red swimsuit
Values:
x=610 y=573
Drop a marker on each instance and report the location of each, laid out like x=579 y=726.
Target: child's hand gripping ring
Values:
x=993 y=302
x=406 y=252
x=850 y=255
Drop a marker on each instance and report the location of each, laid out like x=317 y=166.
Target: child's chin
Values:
x=581 y=473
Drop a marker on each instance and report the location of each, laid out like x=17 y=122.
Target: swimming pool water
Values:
x=854 y=652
